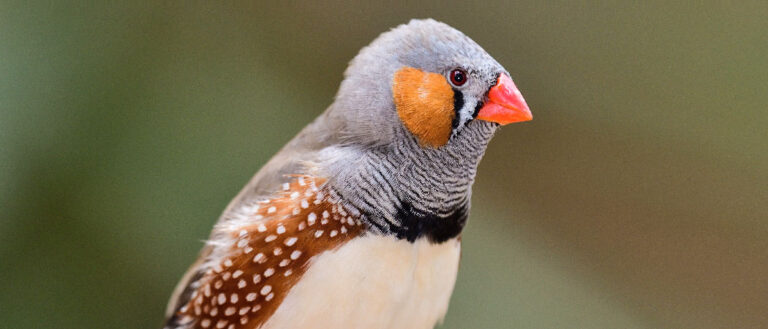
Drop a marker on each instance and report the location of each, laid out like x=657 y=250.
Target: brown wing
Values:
x=256 y=257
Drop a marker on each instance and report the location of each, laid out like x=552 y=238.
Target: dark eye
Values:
x=458 y=77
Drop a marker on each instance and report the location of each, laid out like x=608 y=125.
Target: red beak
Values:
x=506 y=104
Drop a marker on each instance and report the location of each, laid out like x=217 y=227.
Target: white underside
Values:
x=373 y=282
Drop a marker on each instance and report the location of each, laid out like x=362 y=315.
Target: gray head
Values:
x=418 y=107
x=367 y=101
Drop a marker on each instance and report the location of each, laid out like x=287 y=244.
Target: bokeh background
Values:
x=637 y=198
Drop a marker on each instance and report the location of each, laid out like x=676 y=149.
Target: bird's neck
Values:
x=412 y=192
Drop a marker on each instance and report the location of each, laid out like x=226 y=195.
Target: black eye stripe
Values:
x=458 y=104
x=478 y=106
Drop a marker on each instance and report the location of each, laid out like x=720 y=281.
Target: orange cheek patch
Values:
x=424 y=103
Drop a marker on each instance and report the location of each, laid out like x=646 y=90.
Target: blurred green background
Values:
x=637 y=198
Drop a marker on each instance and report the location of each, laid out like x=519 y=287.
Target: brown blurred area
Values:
x=636 y=198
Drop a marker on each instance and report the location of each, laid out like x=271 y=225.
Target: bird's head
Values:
x=413 y=117
x=426 y=83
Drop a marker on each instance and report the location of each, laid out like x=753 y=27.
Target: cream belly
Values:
x=373 y=282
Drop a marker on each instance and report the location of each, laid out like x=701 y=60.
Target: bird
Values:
x=357 y=221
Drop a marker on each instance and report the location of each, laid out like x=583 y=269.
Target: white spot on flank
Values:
x=255 y=308
x=222 y=299
x=311 y=218
x=256 y=278
x=214 y=311
x=302 y=226
x=221 y=324
x=271 y=210
x=323 y=221
x=288 y=272
x=270 y=238
x=284 y=262
x=259 y=258
x=294 y=195
x=318 y=233
x=233 y=298
x=277 y=251
x=304 y=204
x=244 y=309
x=268 y=272
x=251 y=297
x=230 y=311
x=242 y=243
x=231 y=326
x=241 y=284
x=207 y=290
x=205 y=323
x=262 y=228
x=237 y=274
x=280 y=229
x=308 y=193
x=296 y=211
x=243 y=320
x=333 y=233
x=290 y=241
x=326 y=214
x=218 y=284
x=270 y=296
x=286 y=186
x=226 y=276
x=295 y=254
x=265 y=290
x=344 y=229
x=248 y=250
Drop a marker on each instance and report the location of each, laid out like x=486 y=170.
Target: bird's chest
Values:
x=374 y=282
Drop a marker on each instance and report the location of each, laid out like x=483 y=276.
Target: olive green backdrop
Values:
x=636 y=198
